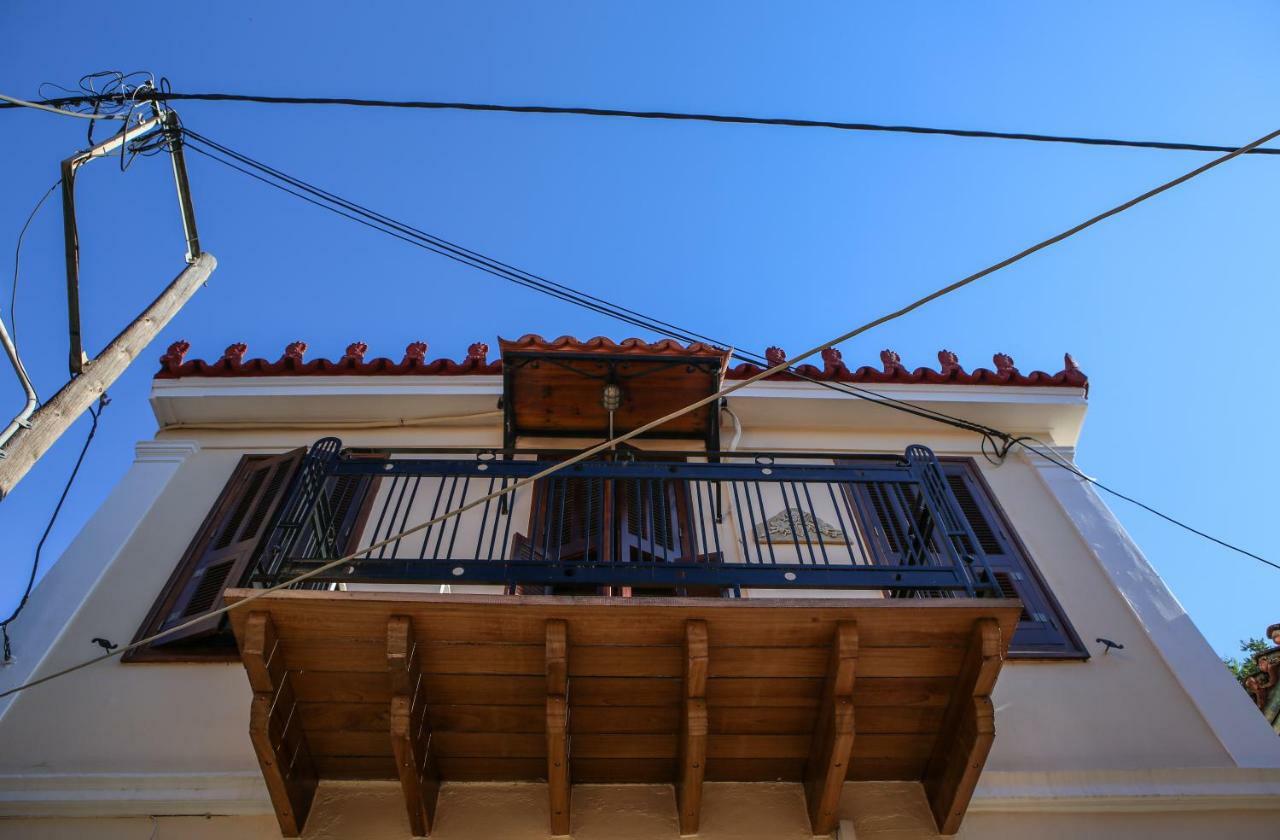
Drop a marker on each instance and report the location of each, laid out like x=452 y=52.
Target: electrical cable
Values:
x=995 y=443
x=96 y=414
x=645 y=427
x=407 y=233
x=39 y=106
x=1051 y=456
x=17 y=251
x=10 y=342
x=169 y=96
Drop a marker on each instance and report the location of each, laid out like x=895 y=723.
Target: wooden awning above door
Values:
x=555 y=388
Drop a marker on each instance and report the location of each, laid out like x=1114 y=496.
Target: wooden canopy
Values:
x=555 y=388
x=424 y=688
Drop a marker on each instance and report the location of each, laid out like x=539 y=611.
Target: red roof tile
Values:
x=173 y=364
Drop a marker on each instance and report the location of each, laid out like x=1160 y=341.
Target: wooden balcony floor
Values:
x=485 y=664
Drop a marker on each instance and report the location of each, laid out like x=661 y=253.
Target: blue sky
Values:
x=760 y=235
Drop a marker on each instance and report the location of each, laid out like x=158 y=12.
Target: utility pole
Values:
x=31 y=434
x=53 y=418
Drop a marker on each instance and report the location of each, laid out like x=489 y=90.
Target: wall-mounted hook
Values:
x=1107 y=645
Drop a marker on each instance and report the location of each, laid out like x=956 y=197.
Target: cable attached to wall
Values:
x=95 y=414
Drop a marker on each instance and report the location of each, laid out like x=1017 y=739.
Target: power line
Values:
x=639 y=430
x=96 y=414
x=1055 y=459
x=17 y=252
x=414 y=236
x=566 y=293
x=14 y=102
x=789 y=122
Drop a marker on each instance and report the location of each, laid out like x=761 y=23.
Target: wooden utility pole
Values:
x=31 y=433
x=53 y=418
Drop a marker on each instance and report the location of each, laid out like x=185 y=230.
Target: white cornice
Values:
x=164 y=451
x=279 y=400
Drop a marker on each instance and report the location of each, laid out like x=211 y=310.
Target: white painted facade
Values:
x=1154 y=740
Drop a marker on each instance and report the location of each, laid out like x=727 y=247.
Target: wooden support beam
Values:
x=693 y=726
x=557 y=665
x=410 y=728
x=275 y=728
x=832 y=741
x=967 y=732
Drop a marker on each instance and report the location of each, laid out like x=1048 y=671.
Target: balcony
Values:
x=627 y=620
x=635 y=520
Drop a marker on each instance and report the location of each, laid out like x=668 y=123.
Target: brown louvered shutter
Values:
x=1042 y=628
x=650 y=531
x=222 y=551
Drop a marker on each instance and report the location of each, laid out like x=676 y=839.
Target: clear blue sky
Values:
x=761 y=235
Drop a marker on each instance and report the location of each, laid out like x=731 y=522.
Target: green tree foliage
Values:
x=1245 y=666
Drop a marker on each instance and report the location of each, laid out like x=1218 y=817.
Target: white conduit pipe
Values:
x=737 y=429
x=32 y=400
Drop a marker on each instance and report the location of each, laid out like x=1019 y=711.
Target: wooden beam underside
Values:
x=645 y=700
x=557 y=667
x=833 y=734
x=693 y=727
x=275 y=727
x=410 y=728
x=967 y=730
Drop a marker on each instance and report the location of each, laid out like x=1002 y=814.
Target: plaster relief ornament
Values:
x=782 y=527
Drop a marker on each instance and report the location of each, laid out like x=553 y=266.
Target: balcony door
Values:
x=610 y=520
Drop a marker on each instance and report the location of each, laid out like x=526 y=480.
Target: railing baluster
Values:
x=764 y=520
x=435 y=508
x=817 y=525
x=444 y=526
x=700 y=547
x=484 y=520
x=382 y=514
x=737 y=514
x=457 y=520
x=548 y=502
x=507 y=515
x=847 y=531
x=404 y=520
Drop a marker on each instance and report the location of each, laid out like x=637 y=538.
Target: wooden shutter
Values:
x=649 y=521
x=225 y=546
x=1041 y=627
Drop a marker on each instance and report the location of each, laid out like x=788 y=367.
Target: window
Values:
x=226 y=548
x=884 y=512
